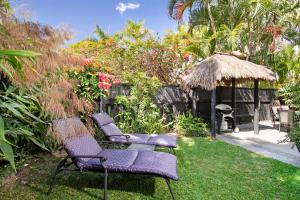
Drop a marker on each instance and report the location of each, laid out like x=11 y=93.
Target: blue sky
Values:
x=83 y=15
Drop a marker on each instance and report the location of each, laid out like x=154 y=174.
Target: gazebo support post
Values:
x=233 y=102
x=194 y=107
x=256 y=107
x=213 y=113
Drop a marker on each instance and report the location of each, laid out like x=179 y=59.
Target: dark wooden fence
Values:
x=172 y=100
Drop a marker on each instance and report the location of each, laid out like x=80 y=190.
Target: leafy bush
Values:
x=294 y=135
x=18 y=111
x=21 y=122
x=290 y=93
x=187 y=125
x=140 y=113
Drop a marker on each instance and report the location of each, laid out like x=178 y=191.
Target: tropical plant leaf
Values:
x=12 y=109
x=35 y=141
x=5 y=147
x=23 y=110
x=2 y=133
x=21 y=53
x=8 y=154
x=15 y=63
x=5 y=70
x=21 y=98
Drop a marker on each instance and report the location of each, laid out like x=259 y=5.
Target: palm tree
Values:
x=100 y=33
x=178 y=7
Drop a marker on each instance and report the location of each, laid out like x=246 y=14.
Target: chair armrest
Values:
x=101 y=158
x=108 y=142
x=112 y=144
x=124 y=135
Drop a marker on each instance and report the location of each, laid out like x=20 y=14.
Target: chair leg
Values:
x=53 y=179
x=173 y=151
x=105 y=184
x=169 y=186
x=59 y=168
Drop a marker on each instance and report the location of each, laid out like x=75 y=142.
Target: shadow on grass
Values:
x=82 y=182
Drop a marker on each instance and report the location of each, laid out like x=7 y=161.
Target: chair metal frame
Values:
x=127 y=137
x=65 y=163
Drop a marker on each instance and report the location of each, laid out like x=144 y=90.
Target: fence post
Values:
x=101 y=104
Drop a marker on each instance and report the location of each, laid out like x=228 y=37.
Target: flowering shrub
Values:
x=290 y=94
x=92 y=84
x=131 y=50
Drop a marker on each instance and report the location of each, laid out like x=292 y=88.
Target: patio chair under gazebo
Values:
x=226 y=69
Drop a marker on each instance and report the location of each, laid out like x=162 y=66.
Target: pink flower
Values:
x=187 y=57
x=102 y=77
x=88 y=61
x=104 y=85
x=116 y=81
x=118 y=46
x=104 y=81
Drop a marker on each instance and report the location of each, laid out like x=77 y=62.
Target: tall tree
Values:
x=100 y=33
x=178 y=7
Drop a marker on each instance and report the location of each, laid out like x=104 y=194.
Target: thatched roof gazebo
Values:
x=226 y=69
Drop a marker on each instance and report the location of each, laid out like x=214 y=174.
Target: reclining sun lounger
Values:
x=86 y=154
x=113 y=133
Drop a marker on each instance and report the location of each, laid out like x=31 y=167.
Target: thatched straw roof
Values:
x=222 y=68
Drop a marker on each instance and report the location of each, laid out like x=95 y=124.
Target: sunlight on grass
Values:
x=189 y=141
x=254 y=155
x=297 y=178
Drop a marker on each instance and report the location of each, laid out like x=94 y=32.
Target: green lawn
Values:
x=207 y=169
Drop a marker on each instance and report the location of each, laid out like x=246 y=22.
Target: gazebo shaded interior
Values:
x=226 y=69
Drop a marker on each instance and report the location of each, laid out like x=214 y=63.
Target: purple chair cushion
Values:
x=105 y=123
x=164 y=140
x=151 y=162
x=102 y=119
x=134 y=138
x=84 y=145
x=111 y=129
x=143 y=162
x=119 y=159
x=76 y=139
x=126 y=161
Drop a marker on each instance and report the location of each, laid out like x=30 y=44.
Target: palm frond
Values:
x=100 y=33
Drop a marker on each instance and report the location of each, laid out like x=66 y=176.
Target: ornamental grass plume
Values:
x=46 y=76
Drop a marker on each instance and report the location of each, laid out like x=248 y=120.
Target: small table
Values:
x=141 y=147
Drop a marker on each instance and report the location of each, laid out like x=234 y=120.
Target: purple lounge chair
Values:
x=86 y=154
x=114 y=134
